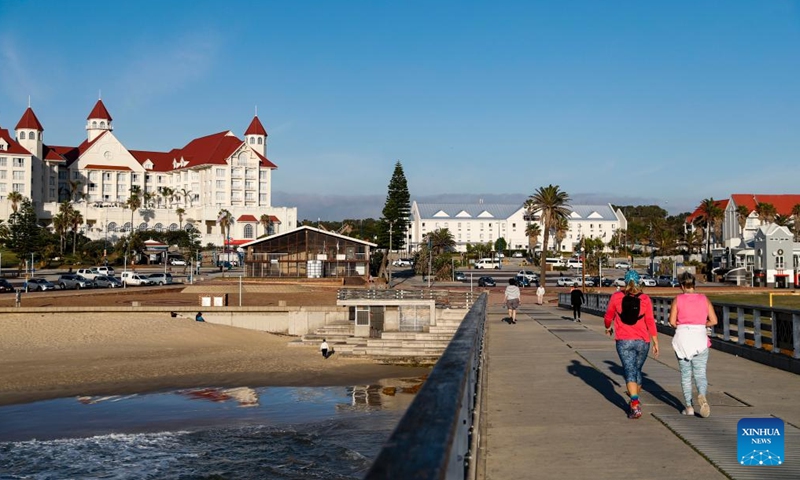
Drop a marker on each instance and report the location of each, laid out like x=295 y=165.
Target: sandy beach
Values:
x=46 y=356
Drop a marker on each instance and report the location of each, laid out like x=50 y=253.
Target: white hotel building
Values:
x=482 y=223
x=210 y=173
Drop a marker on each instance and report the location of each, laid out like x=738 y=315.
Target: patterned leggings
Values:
x=697 y=367
x=632 y=354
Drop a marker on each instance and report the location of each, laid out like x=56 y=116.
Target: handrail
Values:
x=434 y=438
x=748 y=326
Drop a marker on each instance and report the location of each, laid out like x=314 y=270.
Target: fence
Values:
x=436 y=438
x=442 y=298
x=761 y=329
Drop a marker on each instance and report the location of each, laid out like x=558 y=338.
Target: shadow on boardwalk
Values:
x=597 y=380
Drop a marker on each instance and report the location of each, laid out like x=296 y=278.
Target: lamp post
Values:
x=389 y=255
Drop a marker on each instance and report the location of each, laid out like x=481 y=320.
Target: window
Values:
x=22 y=135
x=18 y=187
x=252 y=141
x=92 y=176
x=262 y=175
x=18 y=175
x=779 y=262
x=3 y=174
x=259 y=140
x=94 y=124
x=32 y=135
x=161 y=179
x=249 y=185
x=237 y=184
x=107 y=187
x=135 y=177
x=2 y=188
x=106 y=176
x=248 y=231
x=52 y=192
x=220 y=172
x=220 y=184
x=148 y=178
x=220 y=196
x=76 y=175
x=122 y=178
x=262 y=198
x=262 y=186
x=102 y=124
x=52 y=180
x=3 y=161
x=19 y=162
x=249 y=197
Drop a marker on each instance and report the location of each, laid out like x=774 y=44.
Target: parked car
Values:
x=177 y=261
x=622 y=265
x=488 y=263
x=565 y=281
x=517 y=255
x=529 y=274
x=105 y=271
x=664 y=280
x=5 y=286
x=133 y=278
x=522 y=281
x=486 y=282
x=160 y=278
x=607 y=282
x=574 y=263
x=648 y=281
x=403 y=262
x=620 y=282
x=106 y=281
x=460 y=276
x=89 y=273
x=41 y=284
x=73 y=281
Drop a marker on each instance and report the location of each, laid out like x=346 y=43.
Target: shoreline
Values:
x=49 y=356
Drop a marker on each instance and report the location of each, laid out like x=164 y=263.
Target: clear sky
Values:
x=623 y=102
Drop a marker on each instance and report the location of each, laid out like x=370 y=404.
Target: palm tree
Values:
x=15 y=198
x=75 y=220
x=711 y=213
x=441 y=241
x=181 y=212
x=783 y=220
x=266 y=221
x=560 y=230
x=533 y=230
x=186 y=194
x=552 y=205
x=74 y=189
x=766 y=212
x=168 y=194
x=225 y=221
x=134 y=202
x=796 y=222
x=742 y=212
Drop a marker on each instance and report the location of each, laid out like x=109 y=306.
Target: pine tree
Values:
x=24 y=231
x=396 y=211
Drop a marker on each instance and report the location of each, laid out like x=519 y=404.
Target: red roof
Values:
x=99 y=111
x=238 y=242
x=722 y=204
x=29 y=120
x=13 y=145
x=274 y=219
x=162 y=162
x=72 y=153
x=52 y=156
x=783 y=203
x=247 y=218
x=255 y=128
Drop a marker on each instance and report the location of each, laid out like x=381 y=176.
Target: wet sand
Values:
x=44 y=356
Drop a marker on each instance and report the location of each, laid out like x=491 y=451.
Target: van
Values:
x=133 y=278
x=488 y=263
x=555 y=261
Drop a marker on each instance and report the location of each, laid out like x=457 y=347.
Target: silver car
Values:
x=72 y=281
x=107 y=281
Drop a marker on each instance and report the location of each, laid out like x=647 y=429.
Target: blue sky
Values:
x=624 y=102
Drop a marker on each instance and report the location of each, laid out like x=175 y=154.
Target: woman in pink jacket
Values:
x=690 y=314
x=631 y=313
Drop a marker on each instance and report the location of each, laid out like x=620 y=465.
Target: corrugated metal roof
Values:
x=594 y=212
x=467 y=210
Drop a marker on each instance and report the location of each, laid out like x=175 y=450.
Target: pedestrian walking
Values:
x=512 y=295
x=629 y=317
x=576 y=299
x=691 y=313
x=540 y=295
x=323 y=347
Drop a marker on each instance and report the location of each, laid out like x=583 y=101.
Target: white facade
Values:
x=482 y=223
x=211 y=173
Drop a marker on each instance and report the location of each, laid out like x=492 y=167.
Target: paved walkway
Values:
x=555 y=407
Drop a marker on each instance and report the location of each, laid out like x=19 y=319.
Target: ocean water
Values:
x=264 y=433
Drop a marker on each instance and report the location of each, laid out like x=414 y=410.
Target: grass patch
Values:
x=782 y=300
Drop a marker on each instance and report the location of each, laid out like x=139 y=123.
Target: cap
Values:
x=632 y=276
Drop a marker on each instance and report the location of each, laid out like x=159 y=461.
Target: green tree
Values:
x=15 y=198
x=225 y=222
x=796 y=220
x=552 y=205
x=266 y=221
x=766 y=212
x=500 y=245
x=24 y=231
x=742 y=213
x=396 y=211
x=533 y=230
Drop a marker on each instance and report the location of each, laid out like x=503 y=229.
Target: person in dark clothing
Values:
x=576 y=298
x=199 y=317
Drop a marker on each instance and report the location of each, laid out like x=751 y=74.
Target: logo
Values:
x=760 y=442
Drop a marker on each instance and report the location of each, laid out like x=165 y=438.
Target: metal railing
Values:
x=437 y=437
x=442 y=298
x=770 y=329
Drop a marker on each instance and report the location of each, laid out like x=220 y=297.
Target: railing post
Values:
x=796 y=335
x=776 y=349
x=726 y=324
x=741 y=335
x=756 y=327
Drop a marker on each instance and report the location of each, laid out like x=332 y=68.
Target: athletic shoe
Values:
x=705 y=408
x=688 y=411
x=636 y=411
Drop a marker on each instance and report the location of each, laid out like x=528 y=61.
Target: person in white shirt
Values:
x=540 y=294
x=323 y=347
x=512 y=295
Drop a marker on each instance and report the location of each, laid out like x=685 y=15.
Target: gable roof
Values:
x=783 y=203
x=306 y=227
x=99 y=111
x=13 y=145
x=51 y=155
x=29 y=120
x=255 y=128
x=593 y=212
x=721 y=204
x=466 y=210
x=246 y=218
x=73 y=153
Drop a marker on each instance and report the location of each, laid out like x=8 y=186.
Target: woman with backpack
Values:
x=690 y=314
x=634 y=328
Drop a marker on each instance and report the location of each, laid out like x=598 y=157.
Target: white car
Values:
x=649 y=281
x=532 y=277
x=622 y=265
x=177 y=261
x=131 y=278
x=108 y=271
x=574 y=263
x=565 y=281
x=403 y=262
x=517 y=255
x=89 y=273
x=620 y=282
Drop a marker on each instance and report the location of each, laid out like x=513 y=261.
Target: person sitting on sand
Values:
x=199 y=317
